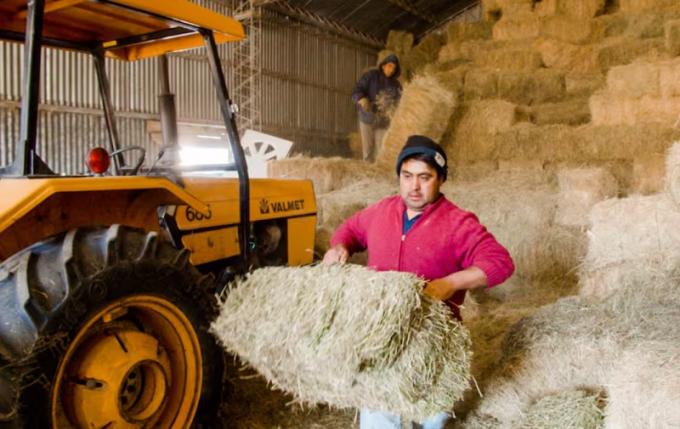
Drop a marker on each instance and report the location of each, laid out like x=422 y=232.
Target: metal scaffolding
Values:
x=247 y=67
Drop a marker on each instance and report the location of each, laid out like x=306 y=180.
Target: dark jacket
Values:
x=374 y=82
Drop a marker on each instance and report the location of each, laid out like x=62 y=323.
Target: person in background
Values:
x=421 y=232
x=376 y=94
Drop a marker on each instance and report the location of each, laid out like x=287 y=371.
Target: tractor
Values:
x=110 y=279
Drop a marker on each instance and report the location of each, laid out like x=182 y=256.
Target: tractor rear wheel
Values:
x=107 y=328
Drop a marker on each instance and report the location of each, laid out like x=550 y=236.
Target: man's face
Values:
x=418 y=184
x=388 y=69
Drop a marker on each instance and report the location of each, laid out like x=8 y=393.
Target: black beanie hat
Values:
x=421 y=145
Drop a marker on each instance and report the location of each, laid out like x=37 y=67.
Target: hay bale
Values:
x=567 y=57
x=626 y=234
x=480 y=120
x=635 y=6
x=614 y=110
x=425 y=108
x=509 y=59
x=472 y=171
x=459 y=31
x=621 y=50
x=648 y=174
x=520 y=26
x=453 y=79
x=399 y=42
x=573 y=409
x=583 y=9
x=572 y=30
x=646 y=371
x=336 y=206
x=495 y=9
x=585 y=143
x=531 y=87
x=321 y=334
x=580 y=84
x=580 y=190
x=480 y=84
x=634 y=80
x=449 y=53
x=672 y=37
x=572 y=112
x=520 y=165
x=422 y=54
x=327 y=174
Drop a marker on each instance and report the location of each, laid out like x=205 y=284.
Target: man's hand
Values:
x=441 y=289
x=336 y=254
x=364 y=103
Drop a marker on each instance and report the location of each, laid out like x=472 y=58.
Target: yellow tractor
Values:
x=108 y=280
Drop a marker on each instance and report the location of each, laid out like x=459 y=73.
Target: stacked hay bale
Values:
x=580 y=190
x=629 y=233
x=349 y=337
x=327 y=174
x=549 y=59
x=616 y=335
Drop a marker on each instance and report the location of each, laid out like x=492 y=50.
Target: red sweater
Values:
x=444 y=239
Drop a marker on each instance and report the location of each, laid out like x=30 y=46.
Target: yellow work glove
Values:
x=364 y=103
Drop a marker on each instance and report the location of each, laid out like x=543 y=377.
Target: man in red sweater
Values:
x=421 y=232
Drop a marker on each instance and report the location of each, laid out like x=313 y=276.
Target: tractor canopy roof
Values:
x=123 y=29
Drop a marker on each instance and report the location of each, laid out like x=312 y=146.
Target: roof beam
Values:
x=413 y=10
x=324 y=23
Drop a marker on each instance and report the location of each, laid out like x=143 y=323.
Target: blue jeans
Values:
x=381 y=420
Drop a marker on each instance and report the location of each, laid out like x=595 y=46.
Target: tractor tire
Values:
x=107 y=328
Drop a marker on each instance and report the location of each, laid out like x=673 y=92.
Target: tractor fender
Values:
x=36 y=208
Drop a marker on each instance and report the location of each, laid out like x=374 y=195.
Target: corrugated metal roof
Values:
x=377 y=17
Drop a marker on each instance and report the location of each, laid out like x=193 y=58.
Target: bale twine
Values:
x=348 y=336
x=580 y=190
x=425 y=108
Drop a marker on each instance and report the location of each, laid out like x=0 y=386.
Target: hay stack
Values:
x=669 y=78
x=327 y=173
x=580 y=190
x=349 y=337
x=610 y=110
x=625 y=235
x=425 y=108
x=672 y=178
x=635 y=6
